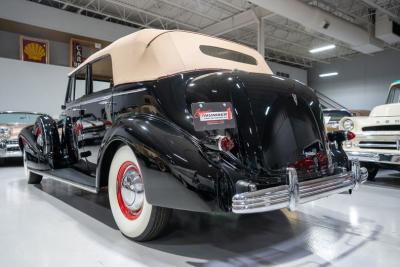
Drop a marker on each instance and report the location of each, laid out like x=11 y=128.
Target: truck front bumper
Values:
x=10 y=149
x=294 y=193
x=384 y=158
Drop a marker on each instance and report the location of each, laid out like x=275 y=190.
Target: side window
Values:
x=80 y=83
x=70 y=90
x=102 y=77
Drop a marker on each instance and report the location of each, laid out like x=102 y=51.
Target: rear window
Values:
x=227 y=54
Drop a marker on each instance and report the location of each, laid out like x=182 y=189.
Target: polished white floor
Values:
x=56 y=225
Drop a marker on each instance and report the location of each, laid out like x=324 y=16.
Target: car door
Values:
x=96 y=110
x=73 y=113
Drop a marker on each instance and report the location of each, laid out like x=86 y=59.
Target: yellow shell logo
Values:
x=34 y=51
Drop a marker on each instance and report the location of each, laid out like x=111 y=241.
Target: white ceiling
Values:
x=285 y=41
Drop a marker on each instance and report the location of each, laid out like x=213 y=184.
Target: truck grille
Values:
x=391 y=145
x=12 y=142
x=382 y=128
x=13 y=148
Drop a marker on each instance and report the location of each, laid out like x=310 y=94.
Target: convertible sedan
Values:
x=194 y=123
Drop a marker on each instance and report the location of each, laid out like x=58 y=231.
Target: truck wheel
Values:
x=32 y=178
x=134 y=216
x=372 y=171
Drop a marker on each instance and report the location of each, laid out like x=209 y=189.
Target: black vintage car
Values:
x=194 y=123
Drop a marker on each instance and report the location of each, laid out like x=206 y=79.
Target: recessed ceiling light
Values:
x=322 y=48
x=328 y=74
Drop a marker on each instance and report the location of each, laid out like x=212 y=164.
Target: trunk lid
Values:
x=279 y=122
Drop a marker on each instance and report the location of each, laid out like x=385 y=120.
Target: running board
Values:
x=71 y=177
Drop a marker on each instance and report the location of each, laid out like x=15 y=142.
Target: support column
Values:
x=261 y=36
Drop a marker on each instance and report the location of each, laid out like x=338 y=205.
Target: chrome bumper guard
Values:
x=289 y=196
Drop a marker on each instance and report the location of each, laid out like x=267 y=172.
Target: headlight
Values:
x=5 y=133
x=348 y=125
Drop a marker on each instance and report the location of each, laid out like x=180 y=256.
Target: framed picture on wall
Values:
x=34 y=50
x=81 y=50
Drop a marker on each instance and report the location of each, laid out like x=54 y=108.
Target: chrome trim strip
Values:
x=130 y=91
x=80 y=186
x=369 y=145
x=89 y=101
x=377 y=133
x=106 y=97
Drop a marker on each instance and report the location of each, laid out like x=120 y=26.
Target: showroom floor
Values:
x=56 y=225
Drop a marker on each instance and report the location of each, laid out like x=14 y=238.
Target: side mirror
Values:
x=63 y=107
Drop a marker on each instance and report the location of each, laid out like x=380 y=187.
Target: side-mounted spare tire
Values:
x=46 y=135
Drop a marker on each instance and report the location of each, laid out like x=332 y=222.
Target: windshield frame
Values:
x=392 y=94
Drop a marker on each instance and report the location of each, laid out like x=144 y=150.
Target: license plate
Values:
x=213 y=115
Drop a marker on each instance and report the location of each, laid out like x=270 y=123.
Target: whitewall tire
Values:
x=134 y=216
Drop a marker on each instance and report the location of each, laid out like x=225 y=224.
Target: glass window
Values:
x=80 y=83
x=70 y=90
x=18 y=118
x=394 y=94
x=227 y=54
x=335 y=115
x=102 y=77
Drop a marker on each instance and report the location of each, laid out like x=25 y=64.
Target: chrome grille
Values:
x=390 y=145
x=12 y=142
x=94 y=129
x=381 y=128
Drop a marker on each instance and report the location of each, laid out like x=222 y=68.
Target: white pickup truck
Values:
x=377 y=141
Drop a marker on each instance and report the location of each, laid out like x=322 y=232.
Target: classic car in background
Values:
x=198 y=123
x=11 y=123
x=333 y=116
x=377 y=141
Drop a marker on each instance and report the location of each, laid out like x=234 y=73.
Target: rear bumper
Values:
x=384 y=158
x=289 y=196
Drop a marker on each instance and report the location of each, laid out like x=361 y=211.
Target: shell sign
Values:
x=34 y=50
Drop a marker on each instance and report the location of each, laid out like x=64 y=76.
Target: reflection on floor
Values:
x=57 y=225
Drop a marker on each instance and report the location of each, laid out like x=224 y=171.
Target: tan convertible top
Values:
x=150 y=54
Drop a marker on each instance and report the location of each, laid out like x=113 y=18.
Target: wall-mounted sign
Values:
x=34 y=50
x=81 y=50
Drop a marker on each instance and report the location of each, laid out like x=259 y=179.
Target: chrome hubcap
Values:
x=132 y=190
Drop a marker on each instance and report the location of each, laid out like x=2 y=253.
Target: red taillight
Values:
x=225 y=143
x=350 y=135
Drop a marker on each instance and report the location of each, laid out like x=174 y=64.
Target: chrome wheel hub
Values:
x=132 y=190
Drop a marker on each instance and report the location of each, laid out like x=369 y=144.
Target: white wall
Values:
x=51 y=18
x=295 y=73
x=27 y=86
x=362 y=83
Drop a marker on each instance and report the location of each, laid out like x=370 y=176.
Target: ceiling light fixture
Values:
x=328 y=74
x=322 y=48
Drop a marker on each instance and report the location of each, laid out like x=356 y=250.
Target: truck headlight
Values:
x=348 y=125
x=5 y=133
